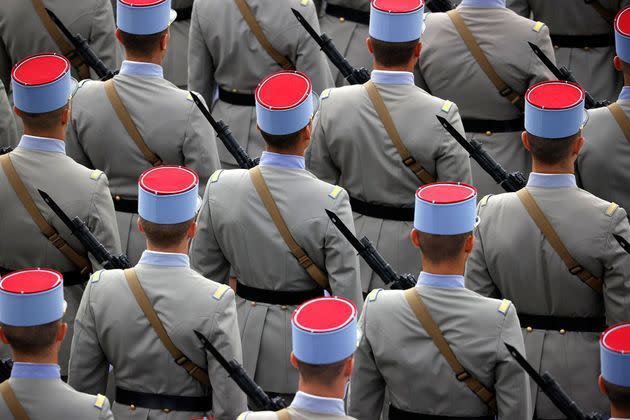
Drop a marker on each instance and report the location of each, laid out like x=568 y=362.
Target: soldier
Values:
x=380 y=159
x=581 y=33
x=8 y=132
x=450 y=69
x=146 y=120
x=607 y=134
x=159 y=317
x=434 y=319
x=232 y=54
x=32 y=306
x=32 y=235
x=324 y=339
x=614 y=380
x=294 y=251
x=552 y=240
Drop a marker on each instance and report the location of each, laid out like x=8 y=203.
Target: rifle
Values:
x=372 y=257
x=5 y=150
x=622 y=242
x=439 y=6
x=87 y=238
x=511 y=182
x=565 y=74
x=256 y=395
x=553 y=390
x=5 y=369
x=225 y=135
x=84 y=50
x=352 y=75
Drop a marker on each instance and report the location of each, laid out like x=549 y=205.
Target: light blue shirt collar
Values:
x=450 y=281
x=284 y=161
x=551 y=180
x=486 y=4
x=137 y=68
x=386 y=77
x=625 y=94
x=315 y=404
x=164 y=259
x=35 y=371
x=42 y=144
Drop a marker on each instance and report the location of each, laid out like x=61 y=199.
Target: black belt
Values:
x=70 y=278
x=163 y=402
x=398 y=414
x=125 y=206
x=583 y=41
x=277 y=297
x=559 y=323
x=493 y=126
x=382 y=212
x=352 y=15
x=236 y=98
x=183 y=14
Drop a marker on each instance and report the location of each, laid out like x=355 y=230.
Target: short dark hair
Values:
x=282 y=142
x=165 y=235
x=619 y=396
x=43 y=121
x=441 y=248
x=321 y=374
x=551 y=151
x=142 y=45
x=393 y=54
x=31 y=341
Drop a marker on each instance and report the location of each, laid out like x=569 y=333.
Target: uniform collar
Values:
x=284 y=161
x=35 y=371
x=625 y=94
x=315 y=404
x=137 y=68
x=489 y=4
x=551 y=180
x=165 y=259
x=450 y=281
x=386 y=77
x=42 y=144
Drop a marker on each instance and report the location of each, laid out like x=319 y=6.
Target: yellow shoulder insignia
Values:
x=504 y=306
x=335 y=192
x=447 y=106
x=325 y=94
x=304 y=3
x=189 y=97
x=243 y=416
x=215 y=176
x=100 y=400
x=96 y=174
x=484 y=200
x=373 y=295
x=612 y=209
x=82 y=82
x=218 y=294
x=96 y=276
x=538 y=26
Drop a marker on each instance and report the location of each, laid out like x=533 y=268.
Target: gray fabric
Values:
x=8 y=130
x=294 y=413
x=176 y=60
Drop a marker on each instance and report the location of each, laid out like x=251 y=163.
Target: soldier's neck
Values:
x=337 y=390
x=619 y=413
x=57 y=133
x=408 y=67
x=444 y=269
x=563 y=168
x=181 y=248
x=49 y=357
x=295 y=151
x=153 y=59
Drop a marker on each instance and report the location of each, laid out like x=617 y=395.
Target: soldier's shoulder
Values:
x=521 y=25
x=87 y=87
x=340 y=95
x=227 y=178
x=598 y=206
x=321 y=190
x=259 y=415
x=378 y=299
x=302 y=4
x=490 y=310
x=84 y=178
x=88 y=405
x=208 y=290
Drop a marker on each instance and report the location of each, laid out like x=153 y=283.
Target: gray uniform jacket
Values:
x=8 y=131
x=447 y=69
x=294 y=413
x=512 y=259
x=170 y=123
x=305 y=407
x=592 y=67
x=599 y=165
x=176 y=60
x=359 y=156
x=54 y=399
x=224 y=52
x=396 y=353
x=237 y=233
x=112 y=329
x=80 y=192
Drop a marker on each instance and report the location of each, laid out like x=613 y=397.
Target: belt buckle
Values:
x=576 y=270
x=462 y=376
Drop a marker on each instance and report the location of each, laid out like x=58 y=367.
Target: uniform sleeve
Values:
x=8 y=130
x=617 y=271
x=102 y=38
x=538 y=71
x=419 y=78
x=519 y=6
x=88 y=368
x=102 y=217
x=73 y=143
x=511 y=382
x=367 y=385
x=342 y=262
x=318 y=157
x=477 y=276
x=453 y=162
x=200 y=63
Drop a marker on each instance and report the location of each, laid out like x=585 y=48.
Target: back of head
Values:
x=32 y=341
x=393 y=54
x=614 y=354
x=552 y=151
x=142 y=46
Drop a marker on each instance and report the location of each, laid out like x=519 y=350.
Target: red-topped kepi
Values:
x=622 y=34
x=396 y=20
x=144 y=17
x=614 y=352
x=168 y=194
x=445 y=208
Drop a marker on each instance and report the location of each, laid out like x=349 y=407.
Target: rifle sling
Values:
x=58 y=38
x=127 y=122
x=283 y=414
x=556 y=243
x=143 y=301
x=607 y=15
x=386 y=118
x=430 y=326
x=304 y=260
x=256 y=29
x=81 y=262
x=481 y=59
x=621 y=118
x=18 y=411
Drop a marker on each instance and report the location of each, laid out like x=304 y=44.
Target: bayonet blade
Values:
x=546 y=61
x=57 y=210
x=451 y=130
x=213 y=351
x=525 y=365
x=624 y=244
x=345 y=231
x=60 y=25
x=308 y=27
x=206 y=113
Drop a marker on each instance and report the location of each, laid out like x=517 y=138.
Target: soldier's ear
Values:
x=164 y=40
x=139 y=224
x=62 y=331
x=3 y=337
x=578 y=144
x=192 y=230
x=348 y=367
x=414 y=235
x=118 y=37
x=469 y=244
x=294 y=360
x=17 y=112
x=370 y=46
x=525 y=141
x=416 y=51
x=617 y=63
x=602 y=385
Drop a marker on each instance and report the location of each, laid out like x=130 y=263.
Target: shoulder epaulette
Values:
x=96 y=174
x=215 y=176
x=612 y=209
x=100 y=401
x=325 y=94
x=538 y=26
x=304 y=3
x=242 y=416
x=96 y=276
x=373 y=295
x=335 y=192
x=189 y=96
x=484 y=200
x=218 y=294
x=82 y=82
x=447 y=106
x=504 y=306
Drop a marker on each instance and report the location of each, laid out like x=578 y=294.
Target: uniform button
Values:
x=556 y=47
x=530 y=329
x=587 y=48
x=284 y=307
x=117 y=198
x=132 y=407
x=234 y=90
x=488 y=133
x=562 y=332
x=342 y=19
x=253 y=303
x=167 y=410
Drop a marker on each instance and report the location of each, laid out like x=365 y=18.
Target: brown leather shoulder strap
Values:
x=607 y=15
x=265 y=195
x=430 y=326
x=479 y=56
x=621 y=118
x=556 y=243
x=385 y=117
x=283 y=414
x=64 y=46
x=81 y=262
x=143 y=301
x=254 y=26
x=127 y=122
x=12 y=401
